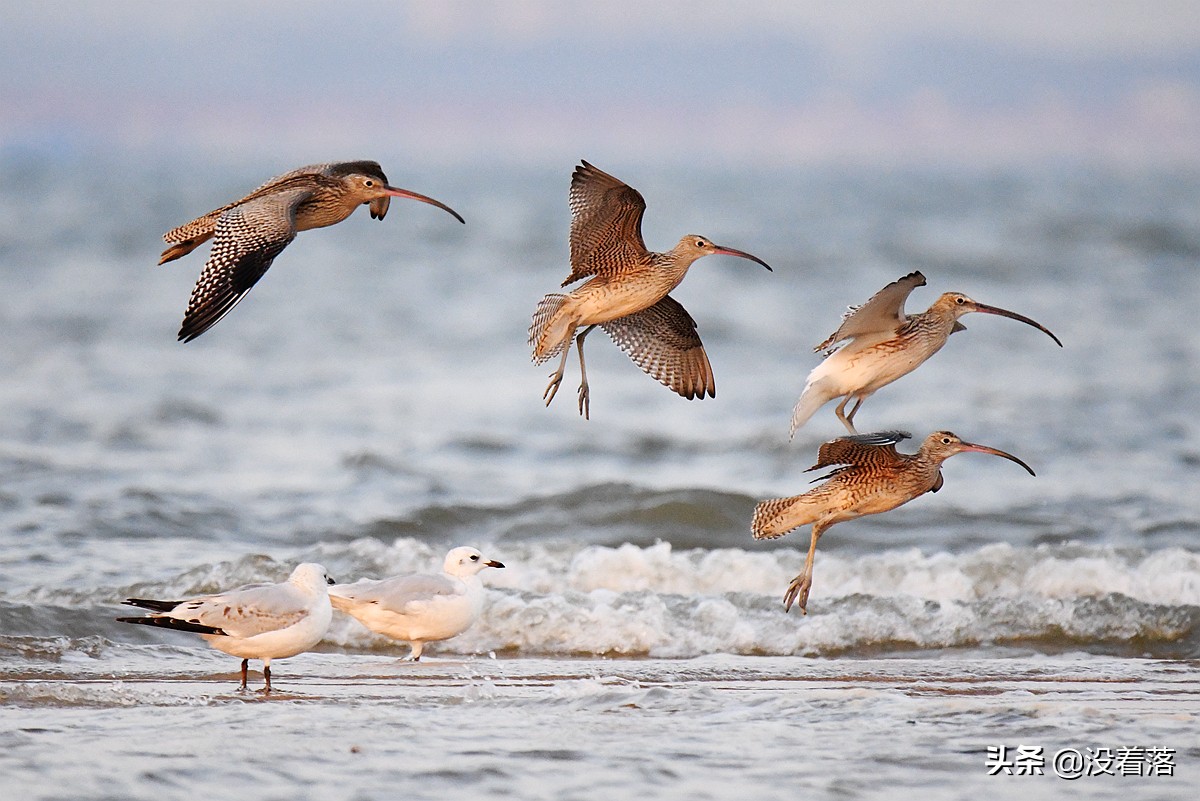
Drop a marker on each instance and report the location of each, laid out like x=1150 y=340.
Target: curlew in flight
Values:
x=870 y=477
x=627 y=293
x=249 y=233
x=884 y=345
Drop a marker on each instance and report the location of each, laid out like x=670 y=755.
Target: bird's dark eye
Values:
x=368 y=183
x=700 y=243
x=474 y=557
x=960 y=300
x=945 y=440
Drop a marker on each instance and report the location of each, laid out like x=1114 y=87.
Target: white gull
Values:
x=257 y=621
x=419 y=607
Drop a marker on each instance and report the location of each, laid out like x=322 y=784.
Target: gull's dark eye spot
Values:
x=474 y=557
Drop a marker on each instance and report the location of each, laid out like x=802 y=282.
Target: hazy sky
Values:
x=535 y=80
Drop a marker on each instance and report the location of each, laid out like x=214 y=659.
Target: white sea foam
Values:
x=659 y=601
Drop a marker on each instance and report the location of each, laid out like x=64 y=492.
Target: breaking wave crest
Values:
x=558 y=599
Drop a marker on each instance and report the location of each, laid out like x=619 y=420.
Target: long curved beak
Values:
x=494 y=563
x=986 y=309
x=724 y=251
x=970 y=446
x=394 y=192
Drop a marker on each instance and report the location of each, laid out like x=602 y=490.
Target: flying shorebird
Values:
x=870 y=477
x=251 y=232
x=885 y=344
x=257 y=621
x=419 y=608
x=627 y=294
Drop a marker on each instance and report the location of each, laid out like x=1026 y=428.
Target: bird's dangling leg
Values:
x=267 y=677
x=557 y=376
x=850 y=415
x=245 y=667
x=840 y=411
x=797 y=591
x=584 y=407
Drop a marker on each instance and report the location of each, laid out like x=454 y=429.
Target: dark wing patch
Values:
x=662 y=340
x=878 y=449
x=247 y=240
x=606 y=224
x=150 y=603
x=172 y=623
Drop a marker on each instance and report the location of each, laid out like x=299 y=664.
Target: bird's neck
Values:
x=670 y=267
x=935 y=324
x=320 y=212
x=928 y=464
x=940 y=317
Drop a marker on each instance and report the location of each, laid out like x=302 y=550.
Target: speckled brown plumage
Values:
x=870 y=477
x=662 y=340
x=250 y=232
x=626 y=294
x=606 y=225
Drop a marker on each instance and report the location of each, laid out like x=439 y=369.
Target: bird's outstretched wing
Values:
x=248 y=237
x=860 y=450
x=606 y=224
x=882 y=314
x=662 y=340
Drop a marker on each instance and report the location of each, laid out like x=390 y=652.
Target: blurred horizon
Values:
x=539 y=82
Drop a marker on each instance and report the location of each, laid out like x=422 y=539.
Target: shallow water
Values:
x=371 y=404
x=719 y=726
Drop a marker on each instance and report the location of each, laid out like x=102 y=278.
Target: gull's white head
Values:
x=311 y=576
x=466 y=561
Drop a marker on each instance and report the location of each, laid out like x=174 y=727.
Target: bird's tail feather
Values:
x=150 y=603
x=180 y=249
x=189 y=236
x=172 y=623
x=815 y=395
x=550 y=331
x=778 y=516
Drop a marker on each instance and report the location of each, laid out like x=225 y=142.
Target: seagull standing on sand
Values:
x=257 y=621
x=419 y=608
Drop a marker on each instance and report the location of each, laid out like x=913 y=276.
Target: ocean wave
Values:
x=563 y=599
x=661 y=602
x=1169 y=576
